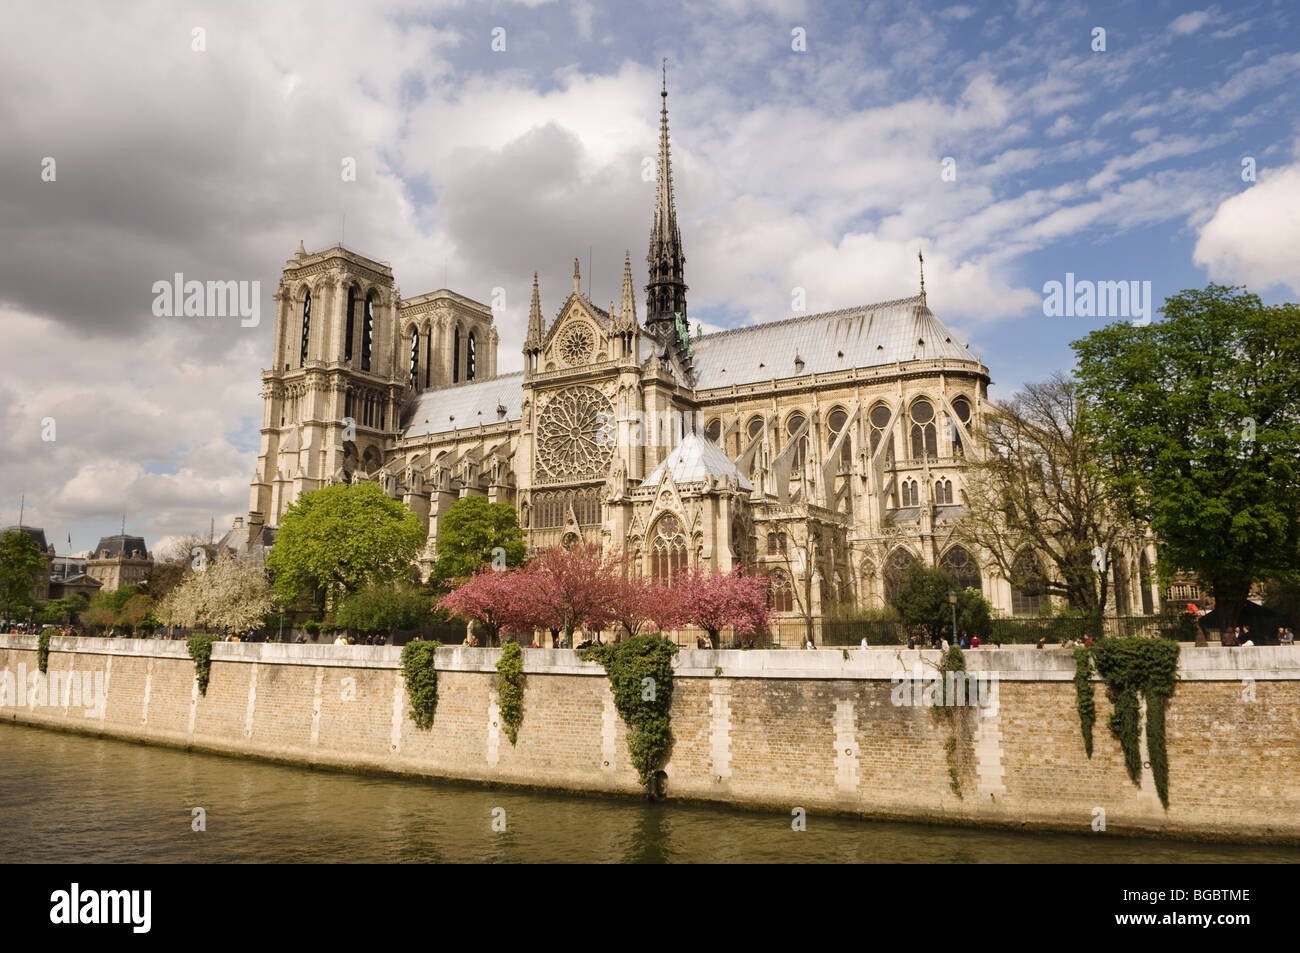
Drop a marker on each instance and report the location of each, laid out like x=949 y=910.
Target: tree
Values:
x=337 y=540
x=1039 y=489
x=569 y=588
x=63 y=611
x=184 y=557
x=110 y=608
x=230 y=595
x=383 y=607
x=634 y=602
x=1198 y=417
x=473 y=533
x=922 y=600
x=494 y=599
x=714 y=601
x=21 y=565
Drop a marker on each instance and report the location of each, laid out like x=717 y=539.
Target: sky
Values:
x=816 y=147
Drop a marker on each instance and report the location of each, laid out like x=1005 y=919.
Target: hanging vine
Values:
x=1130 y=666
x=510 y=688
x=200 y=648
x=640 y=672
x=421 y=678
x=1084 y=700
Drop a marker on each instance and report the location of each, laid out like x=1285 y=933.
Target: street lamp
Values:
x=952 y=601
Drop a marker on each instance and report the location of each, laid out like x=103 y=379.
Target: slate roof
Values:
x=469 y=404
x=868 y=335
x=35 y=532
x=131 y=546
x=694 y=460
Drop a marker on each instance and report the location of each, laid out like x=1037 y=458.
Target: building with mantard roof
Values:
x=828 y=449
x=120 y=560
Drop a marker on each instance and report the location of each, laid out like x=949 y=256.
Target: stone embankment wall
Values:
x=777 y=729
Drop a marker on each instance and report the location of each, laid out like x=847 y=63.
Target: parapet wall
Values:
x=820 y=730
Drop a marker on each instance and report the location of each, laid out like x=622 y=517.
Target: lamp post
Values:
x=952 y=601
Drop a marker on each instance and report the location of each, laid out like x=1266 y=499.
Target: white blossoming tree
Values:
x=230 y=595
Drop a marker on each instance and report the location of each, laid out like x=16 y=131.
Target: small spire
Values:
x=301 y=251
x=577 y=278
x=536 y=324
x=921 y=258
x=627 y=309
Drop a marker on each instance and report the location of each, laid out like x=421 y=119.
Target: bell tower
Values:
x=333 y=393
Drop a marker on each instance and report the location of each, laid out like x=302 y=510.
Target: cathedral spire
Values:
x=666 y=292
x=536 y=324
x=627 y=307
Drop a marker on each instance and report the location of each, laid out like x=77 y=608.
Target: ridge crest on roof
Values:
x=854 y=309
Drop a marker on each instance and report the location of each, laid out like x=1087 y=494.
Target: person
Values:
x=1042 y=640
x=1087 y=641
x=340 y=640
x=1288 y=637
x=943 y=644
x=974 y=641
x=864 y=643
x=965 y=641
x=911 y=641
x=301 y=639
x=534 y=645
x=809 y=644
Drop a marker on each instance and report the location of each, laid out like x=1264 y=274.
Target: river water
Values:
x=70 y=798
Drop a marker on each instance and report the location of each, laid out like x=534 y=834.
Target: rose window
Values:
x=573 y=435
x=576 y=345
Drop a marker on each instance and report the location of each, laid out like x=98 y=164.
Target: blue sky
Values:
x=816 y=168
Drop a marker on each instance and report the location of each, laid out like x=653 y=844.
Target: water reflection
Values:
x=66 y=797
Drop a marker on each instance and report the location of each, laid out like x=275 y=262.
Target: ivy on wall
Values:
x=200 y=648
x=43 y=650
x=1084 y=700
x=421 y=677
x=1130 y=666
x=952 y=708
x=510 y=688
x=640 y=672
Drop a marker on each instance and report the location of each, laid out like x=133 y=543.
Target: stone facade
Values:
x=773 y=729
x=119 y=561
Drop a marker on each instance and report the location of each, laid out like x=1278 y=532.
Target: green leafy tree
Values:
x=473 y=532
x=21 y=565
x=1198 y=420
x=230 y=595
x=336 y=541
x=922 y=603
x=110 y=609
x=922 y=600
x=383 y=608
x=63 y=611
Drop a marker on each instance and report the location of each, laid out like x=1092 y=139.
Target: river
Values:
x=73 y=798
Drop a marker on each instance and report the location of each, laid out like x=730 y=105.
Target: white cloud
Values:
x=1189 y=22
x=1253 y=236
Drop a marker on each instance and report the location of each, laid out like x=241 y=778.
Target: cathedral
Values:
x=825 y=449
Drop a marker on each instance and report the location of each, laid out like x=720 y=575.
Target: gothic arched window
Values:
x=961 y=407
x=668 y=551
x=428 y=357
x=351 y=320
x=925 y=441
x=754 y=428
x=834 y=425
x=469 y=356
x=455 y=355
x=415 y=358
x=792 y=427
x=943 y=491
x=896 y=567
x=713 y=430
x=306 y=328
x=879 y=419
x=782 y=593
x=959 y=564
x=367 y=331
